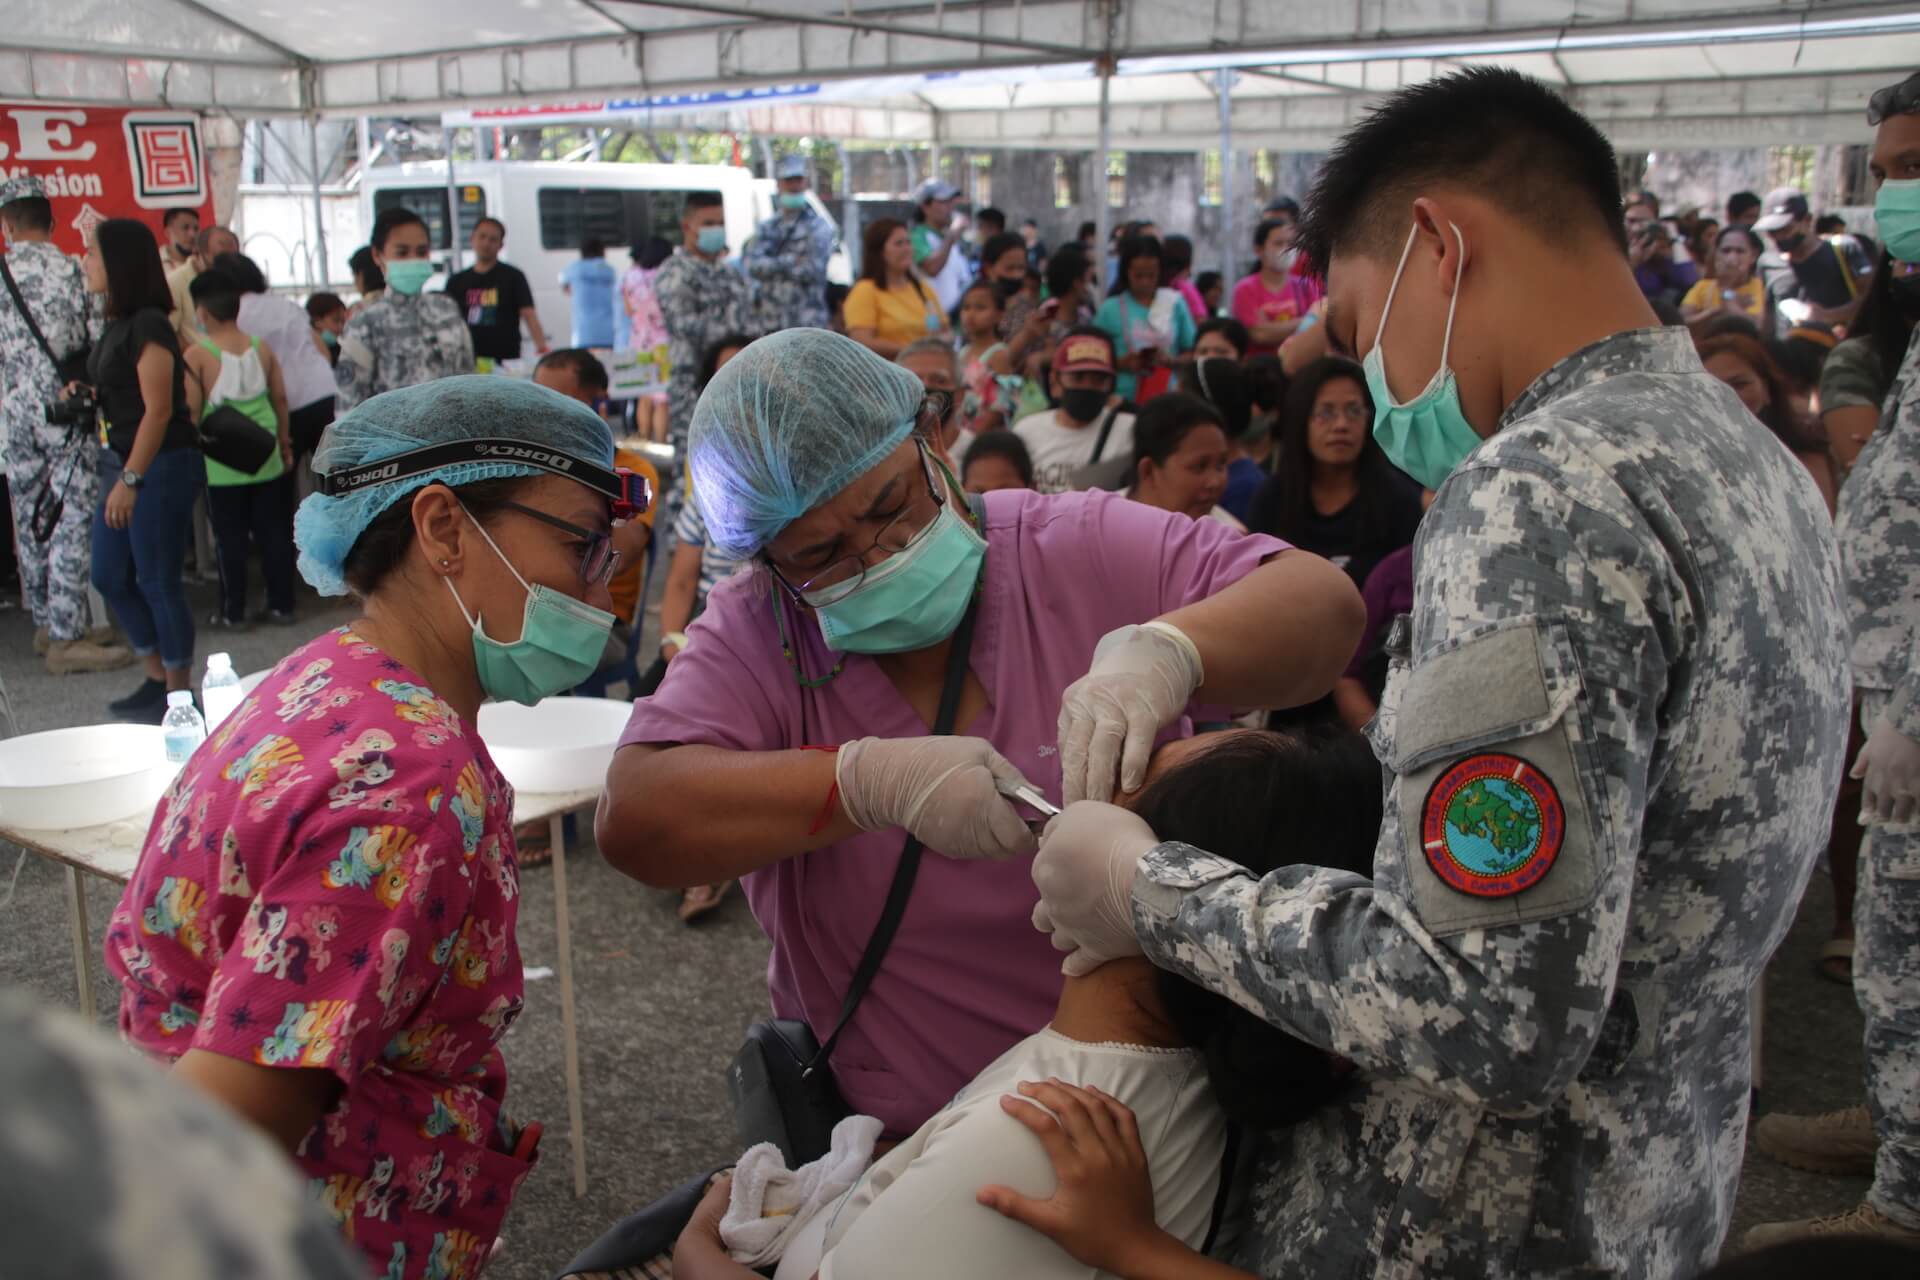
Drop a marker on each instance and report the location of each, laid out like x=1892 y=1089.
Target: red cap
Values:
x=1081 y=352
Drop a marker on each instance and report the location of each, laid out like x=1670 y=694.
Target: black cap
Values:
x=1783 y=206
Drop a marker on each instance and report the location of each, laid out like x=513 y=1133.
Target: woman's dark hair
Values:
x=366 y=270
x=1166 y=421
x=1230 y=329
x=135 y=280
x=1266 y=228
x=1284 y=506
x=1727 y=325
x=1267 y=383
x=1178 y=251
x=218 y=292
x=383 y=544
x=392 y=219
x=1137 y=247
x=245 y=272
x=655 y=251
x=1778 y=417
x=321 y=305
x=1256 y=798
x=997 y=246
x=1222 y=383
x=983 y=285
x=1208 y=280
x=1000 y=444
x=1066 y=269
x=593 y=247
x=1086 y=229
x=1803 y=353
x=873 y=249
x=710 y=359
x=1881 y=321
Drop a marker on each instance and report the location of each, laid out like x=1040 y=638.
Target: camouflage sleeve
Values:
x=1903 y=708
x=453 y=337
x=672 y=289
x=1480 y=959
x=758 y=258
x=354 y=372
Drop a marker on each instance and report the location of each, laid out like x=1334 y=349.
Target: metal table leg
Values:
x=82 y=946
x=570 y=1041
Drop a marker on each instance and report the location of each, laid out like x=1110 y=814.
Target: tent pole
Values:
x=1101 y=215
x=319 y=270
x=1229 y=206
x=453 y=208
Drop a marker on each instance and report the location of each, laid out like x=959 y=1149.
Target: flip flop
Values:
x=1836 y=961
x=701 y=899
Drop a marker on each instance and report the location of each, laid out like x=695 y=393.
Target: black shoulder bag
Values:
x=1100 y=472
x=780 y=1082
x=71 y=367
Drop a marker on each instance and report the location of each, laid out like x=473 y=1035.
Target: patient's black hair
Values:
x=1265 y=800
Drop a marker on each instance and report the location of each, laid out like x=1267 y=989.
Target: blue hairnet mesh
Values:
x=786 y=424
x=464 y=408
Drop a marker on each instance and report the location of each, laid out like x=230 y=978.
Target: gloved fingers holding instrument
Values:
x=947 y=791
x=1140 y=682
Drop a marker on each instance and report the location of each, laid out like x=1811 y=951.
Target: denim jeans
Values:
x=137 y=569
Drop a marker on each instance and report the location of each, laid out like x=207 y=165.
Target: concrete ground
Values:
x=662 y=1005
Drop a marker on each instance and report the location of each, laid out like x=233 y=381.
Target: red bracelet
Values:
x=825 y=817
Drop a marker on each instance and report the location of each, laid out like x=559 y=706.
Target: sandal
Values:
x=1836 y=961
x=532 y=845
x=701 y=899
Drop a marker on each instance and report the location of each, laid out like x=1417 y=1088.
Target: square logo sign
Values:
x=164 y=159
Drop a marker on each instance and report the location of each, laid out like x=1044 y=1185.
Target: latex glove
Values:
x=1085 y=870
x=1141 y=680
x=1889 y=766
x=943 y=790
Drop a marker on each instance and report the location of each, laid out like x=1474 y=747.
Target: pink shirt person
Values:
x=1255 y=304
x=331 y=884
x=967 y=975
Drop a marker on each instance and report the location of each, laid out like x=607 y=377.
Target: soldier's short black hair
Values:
x=29 y=213
x=586 y=367
x=697 y=200
x=1506 y=137
x=1740 y=202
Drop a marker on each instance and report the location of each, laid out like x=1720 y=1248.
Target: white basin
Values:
x=563 y=744
x=82 y=777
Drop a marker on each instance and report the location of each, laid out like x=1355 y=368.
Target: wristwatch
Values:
x=132 y=479
x=678 y=639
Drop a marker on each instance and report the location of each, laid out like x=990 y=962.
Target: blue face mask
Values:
x=408 y=275
x=713 y=240
x=792 y=200
x=1429 y=435
x=912 y=599
x=561 y=641
x=1896 y=209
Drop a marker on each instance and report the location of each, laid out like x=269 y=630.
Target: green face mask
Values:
x=1896 y=209
x=408 y=275
x=1429 y=435
x=792 y=200
x=912 y=599
x=561 y=640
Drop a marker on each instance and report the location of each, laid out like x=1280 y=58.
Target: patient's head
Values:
x=1263 y=800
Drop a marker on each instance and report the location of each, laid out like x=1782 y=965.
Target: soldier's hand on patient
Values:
x=1889 y=770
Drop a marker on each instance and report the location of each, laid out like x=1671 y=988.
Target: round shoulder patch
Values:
x=1492 y=825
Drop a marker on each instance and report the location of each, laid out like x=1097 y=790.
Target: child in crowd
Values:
x=986 y=377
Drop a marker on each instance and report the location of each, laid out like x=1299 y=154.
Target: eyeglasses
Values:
x=1894 y=100
x=908 y=526
x=1328 y=414
x=597 y=560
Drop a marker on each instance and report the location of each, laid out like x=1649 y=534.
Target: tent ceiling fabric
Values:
x=1658 y=72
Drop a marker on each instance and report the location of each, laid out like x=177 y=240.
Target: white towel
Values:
x=770 y=1204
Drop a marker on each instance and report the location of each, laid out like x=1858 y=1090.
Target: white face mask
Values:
x=1281 y=259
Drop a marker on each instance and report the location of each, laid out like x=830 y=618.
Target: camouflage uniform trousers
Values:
x=1886 y=983
x=54 y=574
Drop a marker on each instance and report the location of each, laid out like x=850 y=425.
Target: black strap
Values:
x=46 y=348
x=1106 y=429
x=1229 y=1158
x=909 y=867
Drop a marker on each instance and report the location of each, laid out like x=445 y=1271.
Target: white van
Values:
x=549 y=208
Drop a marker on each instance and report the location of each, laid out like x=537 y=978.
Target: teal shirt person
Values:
x=1166 y=324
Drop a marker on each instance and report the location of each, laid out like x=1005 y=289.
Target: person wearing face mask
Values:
x=1879 y=532
x=787 y=257
x=361 y=907
x=1602 y=804
x=1274 y=300
x=1829 y=274
x=702 y=299
x=789 y=744
x=1089 y=424
x=406 y=336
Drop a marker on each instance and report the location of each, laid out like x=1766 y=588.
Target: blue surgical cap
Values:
x=471 y=407
x=790 y=421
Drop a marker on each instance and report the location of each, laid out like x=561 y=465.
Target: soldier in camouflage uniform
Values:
x=407 y=336
x=1611 y=741
x=1879 y=533
x=45 y=461
x=787 y=258
x=702 y=299
x=112 y=1170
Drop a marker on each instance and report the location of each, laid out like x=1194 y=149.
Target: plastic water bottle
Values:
x=220 y=691
x=183 y=729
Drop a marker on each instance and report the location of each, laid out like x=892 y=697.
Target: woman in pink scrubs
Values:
x=790 y=743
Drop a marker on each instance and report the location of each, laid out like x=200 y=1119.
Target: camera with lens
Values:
x=79 y=411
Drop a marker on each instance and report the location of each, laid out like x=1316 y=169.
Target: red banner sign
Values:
x=106 y=162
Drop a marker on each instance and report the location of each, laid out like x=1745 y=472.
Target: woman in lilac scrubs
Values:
x=790 y=743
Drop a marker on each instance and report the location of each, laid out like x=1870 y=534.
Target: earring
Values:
x=445 y=563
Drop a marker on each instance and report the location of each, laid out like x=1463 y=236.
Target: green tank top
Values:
x=240 y=374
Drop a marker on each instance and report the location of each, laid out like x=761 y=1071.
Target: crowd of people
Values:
x=1118 y=589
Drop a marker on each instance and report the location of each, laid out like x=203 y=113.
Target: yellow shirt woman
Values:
x=905 y=312
x=1707 y=295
